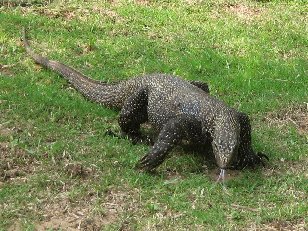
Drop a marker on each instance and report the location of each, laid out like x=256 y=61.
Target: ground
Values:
x=58 y=169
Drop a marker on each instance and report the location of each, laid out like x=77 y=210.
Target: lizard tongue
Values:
x=221 y=176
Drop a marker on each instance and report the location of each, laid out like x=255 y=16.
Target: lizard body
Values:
x=178 y=109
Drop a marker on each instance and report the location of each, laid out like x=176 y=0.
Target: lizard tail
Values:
x=97 y=91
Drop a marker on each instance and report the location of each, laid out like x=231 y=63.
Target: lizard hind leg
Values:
x=133 y=114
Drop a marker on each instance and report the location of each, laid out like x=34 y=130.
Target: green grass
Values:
x=54 y=154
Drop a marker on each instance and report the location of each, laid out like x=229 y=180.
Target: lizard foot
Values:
x=253 y=160
x=148 y=163
x=262 y=157
x=256 y=160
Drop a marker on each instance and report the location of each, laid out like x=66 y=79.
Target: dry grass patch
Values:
x=78 y=170
x=120 y=201
x=15 y=163
x=65 y=215
x=298 y=225
x=22 y=3
x=64 y=13
x=68 y=14
x=296 y=115
x=142 y=2
x=90 y=213
x=6 y=70
x=244 y=12
x=193 y=2
x=297 y=167
x=291 y=167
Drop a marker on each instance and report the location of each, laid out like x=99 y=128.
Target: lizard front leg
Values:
x=172 y=133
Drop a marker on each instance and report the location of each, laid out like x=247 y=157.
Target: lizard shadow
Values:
x=202 y=153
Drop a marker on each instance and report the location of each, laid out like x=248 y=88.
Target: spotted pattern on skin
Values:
x=176 y=108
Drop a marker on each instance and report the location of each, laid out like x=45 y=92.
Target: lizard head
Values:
x=226 y=142
x=225 y=149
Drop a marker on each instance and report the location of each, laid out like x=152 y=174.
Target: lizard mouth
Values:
x=223 y=161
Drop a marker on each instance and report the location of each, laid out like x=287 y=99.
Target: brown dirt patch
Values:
x=296 y=115
x=76 y=13
x=122 y=200
x=298 y=168
x=25 y=3
x=290 y=167
x=243 y=11
x=15 y=163
x=61 y=13
x=64 y=215
x=6 y=70
x=172 y=176
x=298 y=225
x=193 y=2
x=78 y=170
x=142 y=2
x=114 y=2
x=5 y=131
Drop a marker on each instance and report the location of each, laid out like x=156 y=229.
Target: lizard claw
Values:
x=145 y=163
x=261 y=157
x=257 y=159
x=253 y=160
x=109 y=132
x=148 y=163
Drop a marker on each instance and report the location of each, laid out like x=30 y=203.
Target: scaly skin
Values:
x=178 y=109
